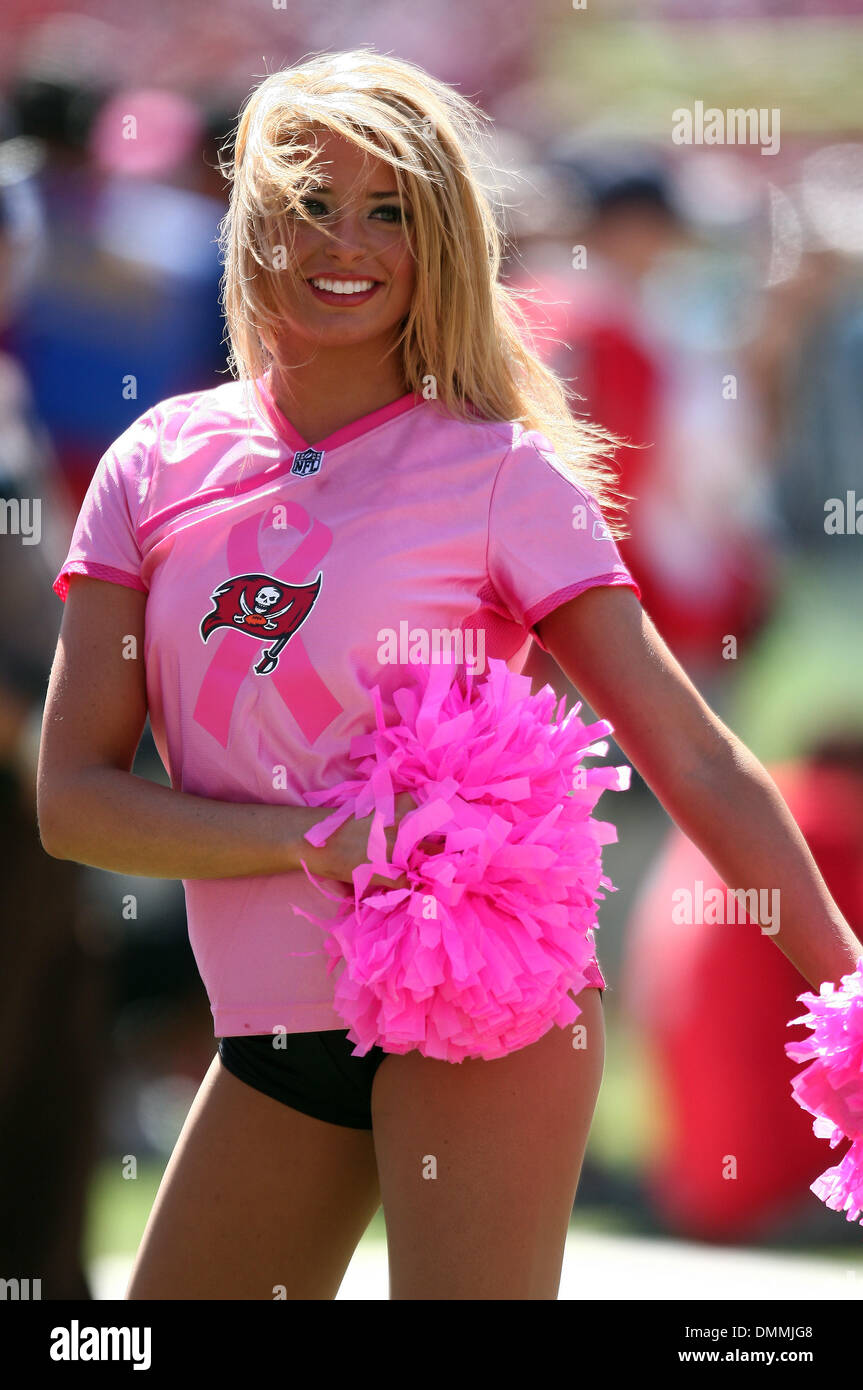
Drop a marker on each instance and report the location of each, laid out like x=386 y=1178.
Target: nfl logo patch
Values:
x=307 y=461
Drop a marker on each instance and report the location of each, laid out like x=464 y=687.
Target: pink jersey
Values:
x=283 y=582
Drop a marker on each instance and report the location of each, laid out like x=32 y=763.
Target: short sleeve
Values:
x=104 y=541
x=547 y=538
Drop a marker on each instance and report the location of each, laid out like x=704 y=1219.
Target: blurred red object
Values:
x=711 y=1004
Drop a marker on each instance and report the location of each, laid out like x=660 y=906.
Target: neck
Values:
x=334 y=388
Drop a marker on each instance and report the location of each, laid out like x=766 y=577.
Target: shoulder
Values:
x=501 y=436
x=507 y=445
x=182 y=422
x=174 y=428
x=516 y=465
x=229 y=406
x=530 y=463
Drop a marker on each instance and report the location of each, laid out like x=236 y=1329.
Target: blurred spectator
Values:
x=816 y=317
x=52 y=984
x=124 y=310
x=626 y=304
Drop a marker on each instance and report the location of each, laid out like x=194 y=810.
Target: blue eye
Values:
x=393 y=207
x=310 y=203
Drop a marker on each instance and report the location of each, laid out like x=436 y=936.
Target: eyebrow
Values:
x=323 y=188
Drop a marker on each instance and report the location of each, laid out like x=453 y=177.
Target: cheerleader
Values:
x=391 y=471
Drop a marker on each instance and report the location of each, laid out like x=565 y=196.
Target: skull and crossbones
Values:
x=265 y=599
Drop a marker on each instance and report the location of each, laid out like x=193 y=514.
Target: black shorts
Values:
x=312 y=1072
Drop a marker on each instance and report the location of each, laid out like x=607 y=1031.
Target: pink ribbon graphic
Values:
x=309 y=700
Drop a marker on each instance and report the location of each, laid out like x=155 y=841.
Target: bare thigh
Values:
x=256 y=1198
x=479 y=1163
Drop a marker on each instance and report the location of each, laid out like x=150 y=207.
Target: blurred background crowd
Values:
x=706 y=303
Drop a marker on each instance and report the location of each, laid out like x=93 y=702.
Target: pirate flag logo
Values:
x=263 y=607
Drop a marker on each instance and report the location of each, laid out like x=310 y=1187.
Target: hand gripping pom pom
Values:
x=478 y=956
x=831 y=1086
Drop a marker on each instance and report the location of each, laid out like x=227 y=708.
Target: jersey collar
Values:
x=366 y=423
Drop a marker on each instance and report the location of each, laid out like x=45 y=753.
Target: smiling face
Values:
x=371 y=241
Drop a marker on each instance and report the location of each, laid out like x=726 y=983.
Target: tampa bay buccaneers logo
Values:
x=264 y=608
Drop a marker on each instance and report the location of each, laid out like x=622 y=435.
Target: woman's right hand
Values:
x=347 y=847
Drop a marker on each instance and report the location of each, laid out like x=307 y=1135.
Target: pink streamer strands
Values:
x=831 y=1086
x=477 y=957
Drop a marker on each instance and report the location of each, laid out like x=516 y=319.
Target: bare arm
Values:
x=94 y=810
x=709 y=782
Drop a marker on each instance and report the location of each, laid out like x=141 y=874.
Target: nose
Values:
x=351 y=238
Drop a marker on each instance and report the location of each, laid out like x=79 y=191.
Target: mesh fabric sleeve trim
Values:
x=547 y=605
x=95 y=571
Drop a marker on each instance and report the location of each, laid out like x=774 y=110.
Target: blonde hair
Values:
x=465 y=329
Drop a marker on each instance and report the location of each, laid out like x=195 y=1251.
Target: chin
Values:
x=345 y=334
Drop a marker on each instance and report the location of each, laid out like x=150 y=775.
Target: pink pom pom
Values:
x=831 y=1086
x=478 y=956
